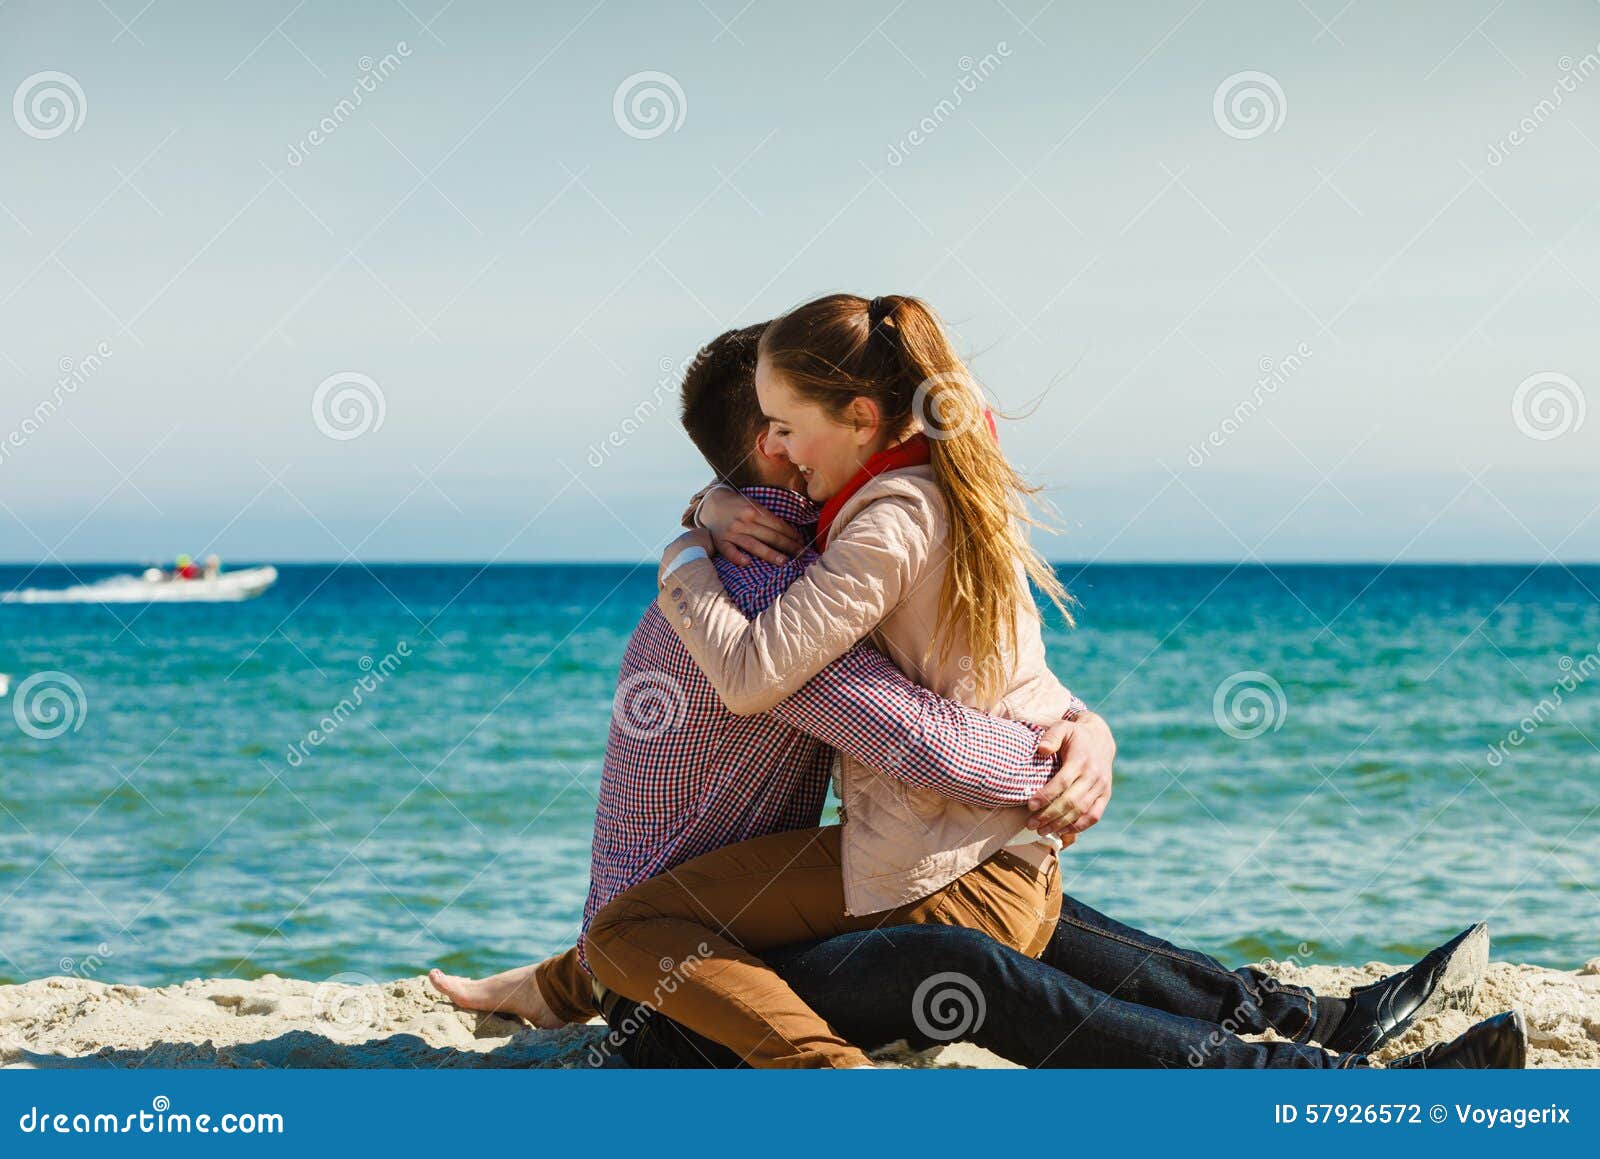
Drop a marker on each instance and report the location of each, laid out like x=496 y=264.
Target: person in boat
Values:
x=186 y=569
x=213 y=566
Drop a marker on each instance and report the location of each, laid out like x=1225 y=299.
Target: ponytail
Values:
x=894 y=350
x=987 y=501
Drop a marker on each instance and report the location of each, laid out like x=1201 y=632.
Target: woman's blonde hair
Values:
x=894 y=351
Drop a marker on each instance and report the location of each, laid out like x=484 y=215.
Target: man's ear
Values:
x=771 y=456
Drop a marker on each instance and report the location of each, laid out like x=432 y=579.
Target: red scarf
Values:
x=914 y=452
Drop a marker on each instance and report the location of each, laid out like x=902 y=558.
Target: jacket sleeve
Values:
x=865 y=707
x=865 y=572
x=695 y=500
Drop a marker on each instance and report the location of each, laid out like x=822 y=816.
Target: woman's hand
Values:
x=699 y=537
x=741 y=529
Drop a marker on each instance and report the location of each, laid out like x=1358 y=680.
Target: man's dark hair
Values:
x=720 y=410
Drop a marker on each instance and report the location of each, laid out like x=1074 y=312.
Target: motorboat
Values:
x=155 y=587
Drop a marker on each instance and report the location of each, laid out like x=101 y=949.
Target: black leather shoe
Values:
x=1447 y=979
x=1498 y=1043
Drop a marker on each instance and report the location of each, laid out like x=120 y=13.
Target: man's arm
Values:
x=861 y=704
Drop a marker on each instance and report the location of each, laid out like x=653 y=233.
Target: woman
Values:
x=924 y=551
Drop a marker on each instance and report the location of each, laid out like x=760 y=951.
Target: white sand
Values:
x=284 y=1022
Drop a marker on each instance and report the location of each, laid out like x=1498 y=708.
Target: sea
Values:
x=377 y=768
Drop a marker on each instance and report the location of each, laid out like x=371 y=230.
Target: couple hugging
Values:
x=853 y=603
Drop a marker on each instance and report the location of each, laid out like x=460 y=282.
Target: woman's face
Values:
x=827 y=452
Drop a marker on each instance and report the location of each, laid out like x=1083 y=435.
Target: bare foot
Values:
x=513 y=992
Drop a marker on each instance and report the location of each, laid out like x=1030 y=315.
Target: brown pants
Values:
x=566 y=987
x=685 y=942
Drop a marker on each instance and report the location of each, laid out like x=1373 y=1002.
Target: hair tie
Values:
x=877 y=310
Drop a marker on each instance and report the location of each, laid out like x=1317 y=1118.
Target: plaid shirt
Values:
x=684 y=776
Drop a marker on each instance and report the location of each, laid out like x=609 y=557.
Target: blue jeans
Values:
x=1102 y=994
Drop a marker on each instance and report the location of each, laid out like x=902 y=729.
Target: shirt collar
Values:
x=783 y=503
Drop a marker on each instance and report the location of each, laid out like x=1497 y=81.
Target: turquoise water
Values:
x=185 y=823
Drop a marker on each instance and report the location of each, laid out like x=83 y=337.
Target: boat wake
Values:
x=230 y=587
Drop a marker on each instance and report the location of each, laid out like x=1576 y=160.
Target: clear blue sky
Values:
x=484 y=239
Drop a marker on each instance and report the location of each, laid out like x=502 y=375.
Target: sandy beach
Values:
x=69 y=1022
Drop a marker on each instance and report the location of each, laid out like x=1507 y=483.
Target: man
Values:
x=682 y=776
